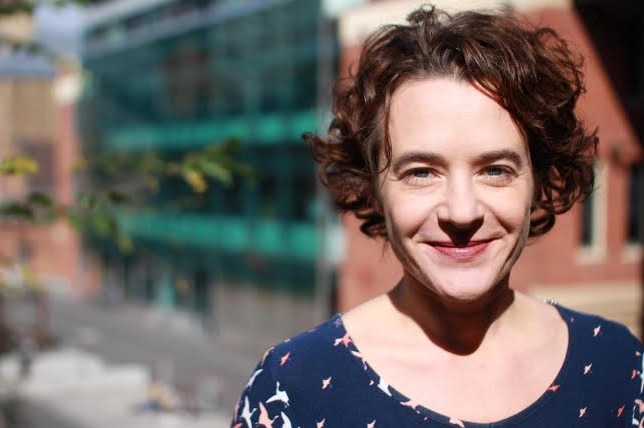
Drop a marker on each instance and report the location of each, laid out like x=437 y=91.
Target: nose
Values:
x=461 y=209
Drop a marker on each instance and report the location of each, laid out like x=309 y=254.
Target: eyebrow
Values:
x=496 y=155
x=436 y=159
x=421 y=157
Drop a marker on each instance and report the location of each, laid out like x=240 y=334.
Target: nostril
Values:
x=460 y=233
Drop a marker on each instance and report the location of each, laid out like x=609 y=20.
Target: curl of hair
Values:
x=529 y=71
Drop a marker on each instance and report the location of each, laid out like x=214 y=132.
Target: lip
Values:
x=461 y=253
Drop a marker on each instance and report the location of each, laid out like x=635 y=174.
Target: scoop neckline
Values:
x=436 y=417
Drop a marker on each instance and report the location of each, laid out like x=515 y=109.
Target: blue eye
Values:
x=420 y=173
x=495 y=171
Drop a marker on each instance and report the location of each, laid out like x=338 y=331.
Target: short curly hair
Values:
x=529 y=71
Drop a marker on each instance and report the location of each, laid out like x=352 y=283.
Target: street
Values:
x=132 y=335
x=104 y=360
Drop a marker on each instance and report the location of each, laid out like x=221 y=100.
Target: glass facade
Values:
x=181 y=75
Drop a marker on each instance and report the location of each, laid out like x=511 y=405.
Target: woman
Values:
x=456 y=141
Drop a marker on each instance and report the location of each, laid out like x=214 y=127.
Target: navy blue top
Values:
x=319 y=379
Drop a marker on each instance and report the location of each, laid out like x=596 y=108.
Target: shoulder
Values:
x=590 y=328
x=603 y=350
x=303 y=350
x=303 y=360
x=291 y=373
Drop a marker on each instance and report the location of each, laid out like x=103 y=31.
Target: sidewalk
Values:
x=126 y=334
x=69 y=388
x=99 y=374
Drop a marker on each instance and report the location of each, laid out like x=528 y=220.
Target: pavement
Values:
x=100 y=373
x=70 y=388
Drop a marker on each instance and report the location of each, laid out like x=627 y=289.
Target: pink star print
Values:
x=285 y=358
x=320 y=424
x=582 y=411
x=263 y=417
x=345 y=340
x=596 y=330
x=620 y=411
x=326 y=382
x=587 y=368
x=371 y=424
x=554 y=388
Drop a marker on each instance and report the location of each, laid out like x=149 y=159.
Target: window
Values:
x=592 y=225
x=635 y=221
x=588 y=219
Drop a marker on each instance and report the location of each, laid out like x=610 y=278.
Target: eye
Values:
x=498 y=174
x=420 y=172
x=418 y=176
x=495 y=171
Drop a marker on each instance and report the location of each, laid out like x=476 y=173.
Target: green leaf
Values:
x=18 y=165
x=104 y=225
x=88 y=201
x=117 y=198
x=125 y=243
x=76 y=220
x=195 y=179
x=216 y=170
x=40 y=199
x=18 y=210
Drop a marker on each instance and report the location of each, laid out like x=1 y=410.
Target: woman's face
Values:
x=457 y=194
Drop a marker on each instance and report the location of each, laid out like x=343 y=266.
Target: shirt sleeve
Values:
x=264 y=400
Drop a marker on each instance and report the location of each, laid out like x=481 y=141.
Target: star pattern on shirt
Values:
x=326 y=382
x=285 y=358
x=457 y=422
x=264 y=419
x=620 y=410
x=268 y=408
x=280 y=395
x=345 y=340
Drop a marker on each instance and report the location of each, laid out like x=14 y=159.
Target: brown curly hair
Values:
x=529 y=71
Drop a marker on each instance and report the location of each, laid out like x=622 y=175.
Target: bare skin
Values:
x=497 y=364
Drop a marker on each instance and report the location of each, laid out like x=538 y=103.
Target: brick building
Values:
x=37 y=120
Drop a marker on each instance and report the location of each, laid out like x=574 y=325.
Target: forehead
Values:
x=450 y=117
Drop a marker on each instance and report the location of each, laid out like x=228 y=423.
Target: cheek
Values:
x=405 y=216
x=511 y=215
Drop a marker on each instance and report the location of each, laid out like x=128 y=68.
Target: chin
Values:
x=466 y=288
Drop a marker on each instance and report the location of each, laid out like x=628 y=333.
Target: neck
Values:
x=457 y=327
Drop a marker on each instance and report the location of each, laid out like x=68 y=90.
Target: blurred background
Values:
x=161 y=224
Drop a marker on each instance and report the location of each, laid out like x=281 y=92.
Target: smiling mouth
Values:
x=460 y=252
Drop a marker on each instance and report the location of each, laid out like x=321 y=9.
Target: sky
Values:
x=58 y=28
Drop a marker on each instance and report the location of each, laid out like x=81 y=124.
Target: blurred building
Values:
x=36 y=122
x=171 y=76
x=592 y=259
